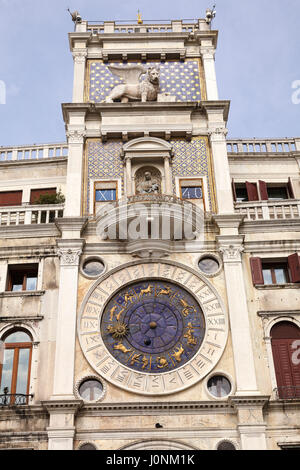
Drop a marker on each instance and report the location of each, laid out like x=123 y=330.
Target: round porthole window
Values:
x=219 y=386
x=87 y=446
x=209 y=265
x=226 y=445
x=93 y=267
x=91 y=390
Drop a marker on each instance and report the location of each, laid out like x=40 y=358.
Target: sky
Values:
x=257 y=61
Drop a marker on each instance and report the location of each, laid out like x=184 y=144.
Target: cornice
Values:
x=249 y=400
x=153 y=408
x=268 y=226
x=62 y=405
x=34 y=161
x=22 y=294
x=29 y=231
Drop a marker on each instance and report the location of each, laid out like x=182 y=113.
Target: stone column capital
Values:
x=69 y=252
x=75 y=136
x=231 y=248
x=79 y=57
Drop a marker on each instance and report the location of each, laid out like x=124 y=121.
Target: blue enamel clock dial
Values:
x=153 y=326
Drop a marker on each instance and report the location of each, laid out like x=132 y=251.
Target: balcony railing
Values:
x=33 y=152
x=164 y=26
x=288 y=393
x=17 y=399
x=258 y=146
x=269 y=210
x=31 y=214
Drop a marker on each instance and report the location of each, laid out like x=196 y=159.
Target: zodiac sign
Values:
x=133 y=88
x=145 y=362
x=111 y=313
x=166 y=291
x=161 y=362
x=187 y=308
x=177 y=354
x=118 y=330
x=119 y=314
x=121 y=347
x=189 y=335
x=128 y=298
x=134 y=359
x=146 y=291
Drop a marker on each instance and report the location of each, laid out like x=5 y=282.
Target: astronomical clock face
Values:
x=152 y=328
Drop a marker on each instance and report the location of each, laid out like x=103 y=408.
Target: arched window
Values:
x=226 y=445
x=15 y=370
x=285 y=340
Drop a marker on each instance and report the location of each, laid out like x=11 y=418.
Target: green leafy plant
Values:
x=57 y=198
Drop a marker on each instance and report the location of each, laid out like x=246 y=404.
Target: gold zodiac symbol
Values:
x=187 y=308
x=128 y=298
x=111 y=313
x=145 y=362
x=122 y=348
x=134 y=359
x=118 y=330
x=161 y=362
x=177 y=354
x=146 y=291
x=189 y=335
x=166 y=291
x=119 y=314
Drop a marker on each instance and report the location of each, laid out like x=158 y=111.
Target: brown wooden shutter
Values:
x=252 y=191
x=11 y=198
x=294 y=265
x=36 y=193
x=233 y=189
x=256 y=271
x=291 y=189
x=284 y=335
x=263 y=190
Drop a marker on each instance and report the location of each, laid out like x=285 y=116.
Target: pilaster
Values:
x=207 y=51
x=231 y=247
x=79 y=57
x=61 y=429
x=251 y=427
x=75 y=135
x=217 y=134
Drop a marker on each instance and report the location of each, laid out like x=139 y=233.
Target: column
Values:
x=207 y=51
x=168 y=176
x=231 y=248
x=74 y=170
x=79 y=75
x=69 y=252
x=221 y=166
x=128 y=176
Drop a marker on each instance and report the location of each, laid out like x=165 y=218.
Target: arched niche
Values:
x=148 y=151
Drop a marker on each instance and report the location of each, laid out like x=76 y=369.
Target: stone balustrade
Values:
x=108 y=27
x=238 y=146
x=30 y=214
x=33 y=152
x=269 y=210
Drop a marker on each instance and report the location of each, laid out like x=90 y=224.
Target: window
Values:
x=226 y=445
x=275 y=272
x=262 y=191
x=22 y=277
x=11 y=198
x=36 y=193
x=219 y=386
x=105 y=191
x=208 y=265
x=93 y=267
x=15 y=371
x=285 y=339
x=191 y=189
x=91 y=390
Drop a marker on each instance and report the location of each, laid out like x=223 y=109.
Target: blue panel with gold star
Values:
x=180 y=79
x=153 y=326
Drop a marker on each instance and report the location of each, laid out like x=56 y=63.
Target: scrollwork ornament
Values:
x=69 y=257
x=231 y=253
x=79 y=57
x=75 y=136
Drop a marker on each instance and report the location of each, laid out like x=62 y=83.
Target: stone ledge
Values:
x=34 y=293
